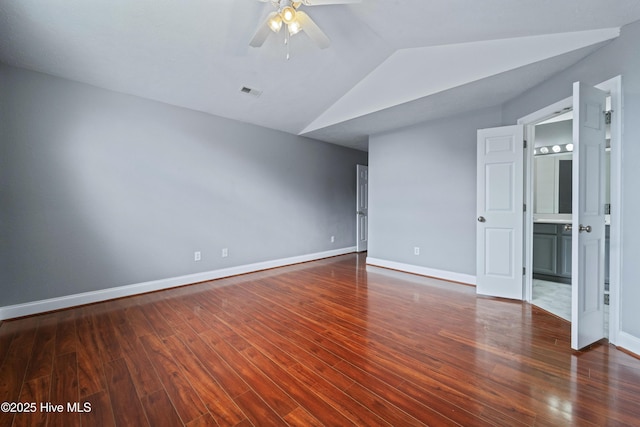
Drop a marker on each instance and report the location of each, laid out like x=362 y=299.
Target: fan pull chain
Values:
x=286 y=41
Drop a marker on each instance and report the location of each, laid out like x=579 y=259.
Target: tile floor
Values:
x=556 y=298
x=553 y=297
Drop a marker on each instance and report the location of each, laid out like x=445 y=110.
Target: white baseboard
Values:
x=42 y=306
x=423 y=271
x=628 y=342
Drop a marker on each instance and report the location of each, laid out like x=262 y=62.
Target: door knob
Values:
x=585 y=228
x=481 y=219
x=568 y=227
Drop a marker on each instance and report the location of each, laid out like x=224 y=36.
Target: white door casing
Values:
x=588 y=235
x=499 y=231
x=362 y=207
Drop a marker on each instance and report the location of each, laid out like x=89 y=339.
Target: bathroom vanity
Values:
x=552 y=251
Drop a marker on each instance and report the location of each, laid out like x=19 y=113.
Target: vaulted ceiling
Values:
x=391 y=63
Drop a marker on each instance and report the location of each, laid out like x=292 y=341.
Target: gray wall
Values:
x=621 y=57
x=422 y=179
x=422 y=192
x=100 y=189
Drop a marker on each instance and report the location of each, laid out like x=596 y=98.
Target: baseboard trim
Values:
x=628 y=342
x=43 y=306
x=450 y=276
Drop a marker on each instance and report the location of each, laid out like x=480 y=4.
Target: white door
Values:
x=362 y=207
x=499 y=231
x=588 y=236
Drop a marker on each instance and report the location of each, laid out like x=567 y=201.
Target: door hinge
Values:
x=525 y=143
x=524 y=271
x=524 y=207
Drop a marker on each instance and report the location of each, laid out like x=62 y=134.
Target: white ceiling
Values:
x=391 y=63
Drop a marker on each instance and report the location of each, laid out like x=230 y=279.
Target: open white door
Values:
x=588 y=236
x=499 y=236
x=362 y=207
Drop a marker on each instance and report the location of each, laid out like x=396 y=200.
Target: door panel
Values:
x=499 y=244
x=499 y=212
x=499 y=191
x=545 y=255
x=588 y=236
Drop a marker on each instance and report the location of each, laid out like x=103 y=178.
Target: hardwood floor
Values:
x=323 y=343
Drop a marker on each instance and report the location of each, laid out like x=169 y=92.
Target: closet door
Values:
x=500 y=213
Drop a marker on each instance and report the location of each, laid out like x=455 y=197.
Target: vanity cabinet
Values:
x=552 y=253
x=564 y=252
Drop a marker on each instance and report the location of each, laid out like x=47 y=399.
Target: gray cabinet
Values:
x=564 y=268
x=552 y=253
x=545 y=249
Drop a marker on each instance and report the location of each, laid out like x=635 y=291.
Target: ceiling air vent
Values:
x=251 y=91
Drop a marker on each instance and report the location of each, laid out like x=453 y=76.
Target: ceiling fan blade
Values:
x=262 y=33
x=313 y=31
x=240 y=31
x=326 y=2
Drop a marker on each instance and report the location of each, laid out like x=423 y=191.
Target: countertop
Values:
x=560 y=219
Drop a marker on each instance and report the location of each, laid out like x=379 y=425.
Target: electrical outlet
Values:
x=333 y=239
x=416 y=250
x=197 y=256
x=225 y=252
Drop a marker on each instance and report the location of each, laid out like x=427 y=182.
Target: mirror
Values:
x=553 y=165
x=552 y=183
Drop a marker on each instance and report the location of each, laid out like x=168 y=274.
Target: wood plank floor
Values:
x=329 y=342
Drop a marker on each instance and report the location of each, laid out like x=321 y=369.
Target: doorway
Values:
x=612 y=208
x=362 y=208
x=552 y=213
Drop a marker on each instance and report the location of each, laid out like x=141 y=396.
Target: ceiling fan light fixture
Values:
x=275 y=23
x=288 y=14
x=294 y=28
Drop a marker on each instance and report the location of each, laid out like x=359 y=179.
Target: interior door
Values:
x=362 y=207
x=500 y=213
x=588 y=235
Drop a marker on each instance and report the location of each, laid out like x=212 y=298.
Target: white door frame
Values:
x=614 y=88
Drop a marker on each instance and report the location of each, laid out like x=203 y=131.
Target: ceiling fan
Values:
x=288 y=15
